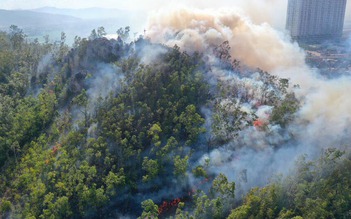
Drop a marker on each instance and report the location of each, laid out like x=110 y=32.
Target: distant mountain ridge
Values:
x=50 y=21
x=24 y=18
x=86 y=13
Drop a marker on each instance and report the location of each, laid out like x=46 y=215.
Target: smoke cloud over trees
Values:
x=210 y=114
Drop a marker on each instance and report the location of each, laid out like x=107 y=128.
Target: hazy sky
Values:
x=123 y=4
x=271 y=11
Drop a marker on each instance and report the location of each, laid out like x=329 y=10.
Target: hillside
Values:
x=127 y=128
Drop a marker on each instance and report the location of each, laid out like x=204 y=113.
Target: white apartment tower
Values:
x=315 y=19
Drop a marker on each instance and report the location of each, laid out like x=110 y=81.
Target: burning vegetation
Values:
x=117 y=128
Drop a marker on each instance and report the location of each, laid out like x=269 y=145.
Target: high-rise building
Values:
x=315 y=19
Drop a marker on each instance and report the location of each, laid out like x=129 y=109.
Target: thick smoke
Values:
x=196 y=30
x=257 y=155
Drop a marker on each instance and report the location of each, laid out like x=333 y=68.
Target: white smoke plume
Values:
x=195 y=30
x=323 y=120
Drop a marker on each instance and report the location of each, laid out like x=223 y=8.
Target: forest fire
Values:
x=258 y=123
x=53 y=153
x=167 y=207
x=55 y=148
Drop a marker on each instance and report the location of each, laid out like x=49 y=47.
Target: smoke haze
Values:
x=242 y=138
x=322 y=121
x=260 y=11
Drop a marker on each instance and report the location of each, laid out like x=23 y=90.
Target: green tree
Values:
x=192 y=122
x=93 y=35
x=101 y=32
x=5 y=206
x=123 y=33
x=113 y=181
x=151 y=168
x=150 y=210
x=180 y=165
x=17 y=36
x=154 y=132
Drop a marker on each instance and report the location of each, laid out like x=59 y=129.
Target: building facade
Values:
x=315 y=19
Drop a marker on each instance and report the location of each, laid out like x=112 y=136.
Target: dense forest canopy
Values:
x=119 y=128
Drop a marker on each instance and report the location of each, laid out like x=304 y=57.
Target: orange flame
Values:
x=258 y=123
x=168 y=205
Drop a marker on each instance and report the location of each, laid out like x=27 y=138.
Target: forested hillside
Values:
x=119 y=129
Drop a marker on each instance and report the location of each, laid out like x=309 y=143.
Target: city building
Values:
x=315 y=20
